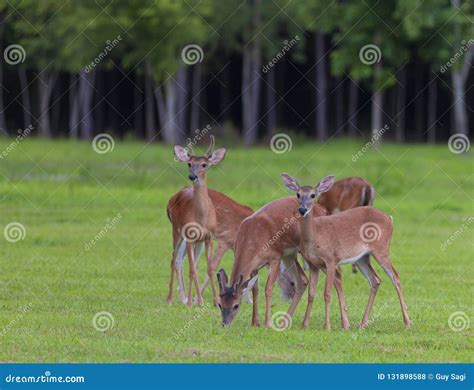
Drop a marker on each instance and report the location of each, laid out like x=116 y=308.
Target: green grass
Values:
x=64 y=194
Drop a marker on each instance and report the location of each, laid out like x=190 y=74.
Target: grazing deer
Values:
x=344 y=238
x=266 y=238
x=346 y=194
x=193 y=217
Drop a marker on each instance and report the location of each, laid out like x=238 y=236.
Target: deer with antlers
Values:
x=193 y=216
x=344 y=238
x=266 y=238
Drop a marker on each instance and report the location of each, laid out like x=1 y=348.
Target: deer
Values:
x=344 y=238
x=193 y=218
x=266 y=238
x=346 y=194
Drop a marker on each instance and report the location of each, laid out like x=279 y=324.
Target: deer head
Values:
x=230 y=296
x=307 y=195
x=198 y=165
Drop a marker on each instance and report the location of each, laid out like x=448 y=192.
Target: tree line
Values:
x=160 y=69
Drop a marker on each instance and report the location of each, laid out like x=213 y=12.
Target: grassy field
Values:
x=55 y=280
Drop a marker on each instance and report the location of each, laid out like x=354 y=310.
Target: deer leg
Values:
x=342 y=300
x=388 y=267
x=176 y=260
x=313 y=283
x=374 y=283
x=193 y=277
x=255 y=321
x=301 y=282
x=211 y=270
x=272 y=277
x=330 y=273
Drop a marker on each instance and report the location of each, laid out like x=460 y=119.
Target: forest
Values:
x=159 y=70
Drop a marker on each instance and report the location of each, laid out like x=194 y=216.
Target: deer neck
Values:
x=200 y=201
x=307 y=231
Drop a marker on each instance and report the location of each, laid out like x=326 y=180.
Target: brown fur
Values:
x=263 y=240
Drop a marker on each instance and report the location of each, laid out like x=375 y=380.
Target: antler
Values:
x=211 y=147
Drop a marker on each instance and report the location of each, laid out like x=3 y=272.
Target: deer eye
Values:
x=189 y=165
x=220 y=306
x=298 y=196
x=236 y=306
x=313 y=195
x=204 y=165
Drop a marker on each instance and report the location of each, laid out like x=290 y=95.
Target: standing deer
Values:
x=193 y=217
x=267 y=237
x=346 y=194
x=344 y=238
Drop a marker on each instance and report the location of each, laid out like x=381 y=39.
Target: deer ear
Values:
x=290 y=182
x=222 y=280
x=217 y=156
x=181 y=153
x=325 y=184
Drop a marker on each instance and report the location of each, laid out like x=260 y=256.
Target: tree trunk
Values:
x=99 y=107
x=181 y=130
x=251 y=67
x=150 y=124
x=56 y=108
x=196 y=97
x=86 y=93
x=353 y=108
x=401 y=100
x=419 y=104
x=25 y=97
x=339 y=101
x=432 y=103
x=321 y=87
x=74 y=106
x=45 y=88
x=459 y=78
x=377 y=108
x=459 y=104
x=137 y=103
x=167 y=103
x=271 y=103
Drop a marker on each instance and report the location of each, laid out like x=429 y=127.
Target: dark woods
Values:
x=159 y=70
